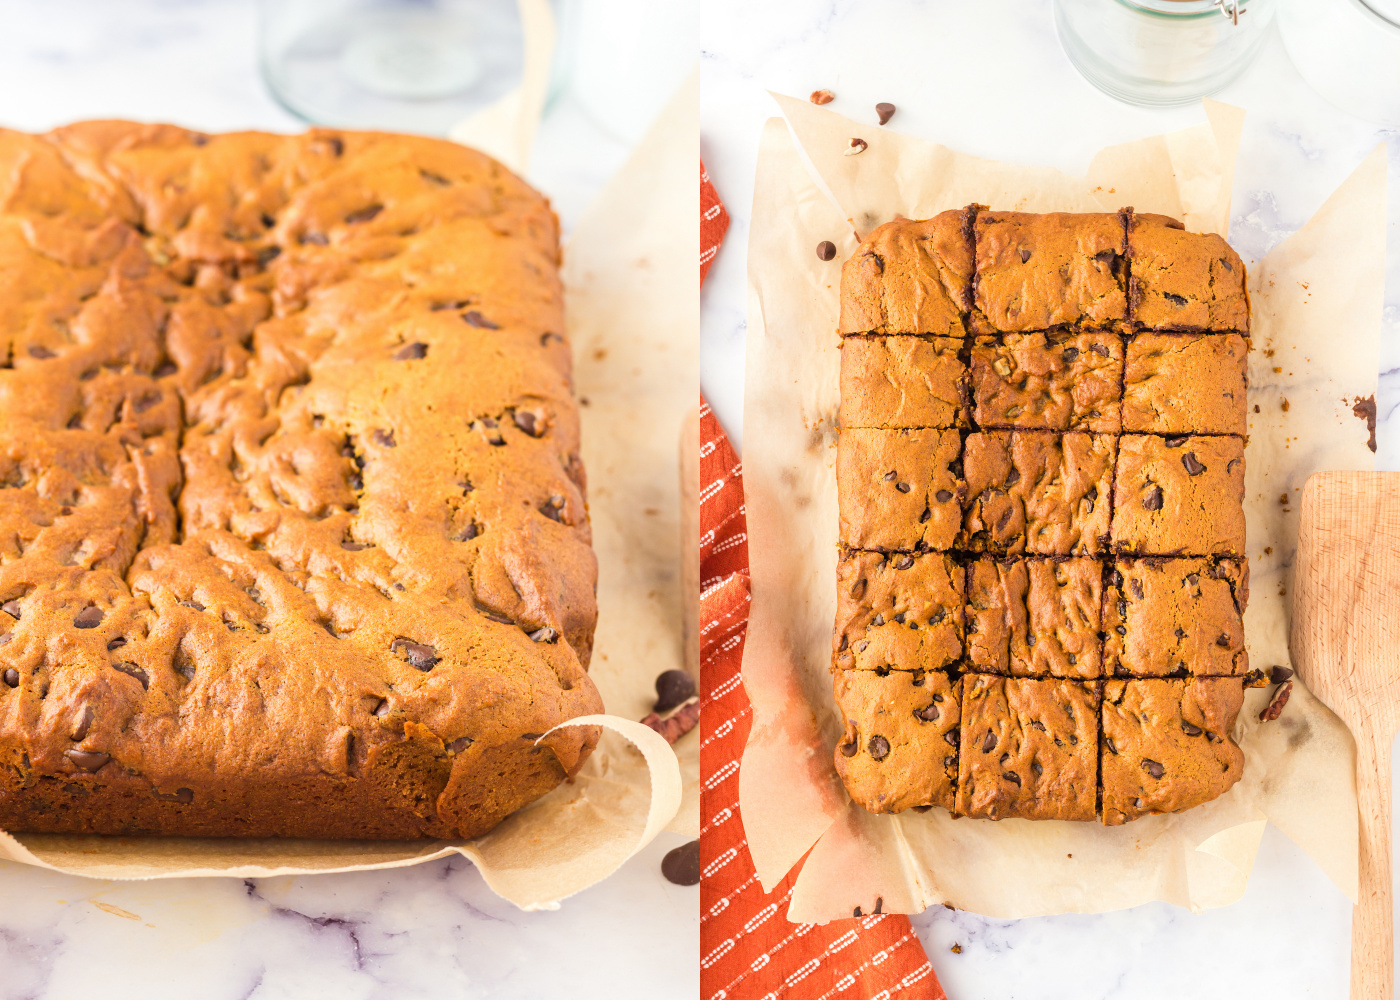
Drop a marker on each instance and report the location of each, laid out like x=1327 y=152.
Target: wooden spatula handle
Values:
x=1372 y=971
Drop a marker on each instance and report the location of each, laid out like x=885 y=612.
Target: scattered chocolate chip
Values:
x=1153 y=768
x=672 y=688
x=459 y=744
x=1279 y=674
x=826 y=250
x=12 y=677
x=822 y=97
x=1153 y=500
x=879 y=747
x=475 y=319
x=364 y=214
x=545 y=634
x=411 y=352
x=383 y=438
x=418 y=654
x=1192 y=464
x=681 y=866
x=91 y=761
x=90 y=617
x=885 y=111
x=132 y=670
x=855 y=146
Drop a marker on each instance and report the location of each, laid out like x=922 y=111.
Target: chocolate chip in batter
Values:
x=929 y=714
x=1070 y=354
x=1175 y=441
x=529 y=422
x=545 y=634
x=1192 y=464
x=904 y=562
x=364 y=215
x=89 y=617
x=1153 y=768
x=417 y=654
x=989 y=742
x=1176 y=300
x=1153 y=500
x=132 y=670
x=411 y=352
x=91 y=761
x=11 y=608
x=879 y=747
x=1191 y=730
x=383 y=438
x=12 y=677
x=554 y=508
x=479 y=321
x=459 y=744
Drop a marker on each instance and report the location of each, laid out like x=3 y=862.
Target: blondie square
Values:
x=1053 y=381
x=1185 y=384
x=897 y=489
x=902 y=382
x=1039 y=271
x=1029 y=749
x=1037 y=492
x=910 y=277
x=902 y=611
x=1167 y=744
x=1176 y=617
x=1183 y=281
x=899 y=748
x=1179 y=496
x=1035 y=617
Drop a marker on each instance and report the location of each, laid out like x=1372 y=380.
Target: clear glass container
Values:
x=1161 y=52
x=1349 y=52
x=405 y=65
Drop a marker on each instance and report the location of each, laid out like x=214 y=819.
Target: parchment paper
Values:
x=632 y=305
x=1317 y=312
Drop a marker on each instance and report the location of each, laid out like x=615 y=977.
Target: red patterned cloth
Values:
x=748 y=949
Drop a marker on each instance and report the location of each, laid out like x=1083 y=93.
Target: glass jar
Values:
x=1161 y=52
x=405 y=65
x=1349 y=52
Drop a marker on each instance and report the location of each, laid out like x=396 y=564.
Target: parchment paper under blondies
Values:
x=1317 y=312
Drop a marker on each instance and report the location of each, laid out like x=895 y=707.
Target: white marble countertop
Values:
x=960 y=74
x=433 y=931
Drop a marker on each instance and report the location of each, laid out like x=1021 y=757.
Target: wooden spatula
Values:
x=1345 y=642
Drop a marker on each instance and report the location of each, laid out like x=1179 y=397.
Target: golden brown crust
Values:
x=1055 y=381
x=899 y=748
x=898 y=611
x=1179 y=496
x=902 y=382
x=294 y=528
x=909 y=277
x=1184 y=281
x=1186 y=384
x=1167 y=744
x=1174 y=617
x=897 y=490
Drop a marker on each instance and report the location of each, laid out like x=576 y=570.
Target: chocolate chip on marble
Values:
x=90 y=617
x=366 y=214
x=545 y=634
x=383 y=438
x=1153 y=500
x=133 y=670
x=673 y=687
x=1192 y=464
x=879 y=747
x=885 y=110
x=826 y=250
x=479 y=321
x=411 y=352
x=1153 y=768
x=12 y=677
x=419 y=655
x=1190 y=730
x=91 y=761
x=681 y=865
x=459 y=744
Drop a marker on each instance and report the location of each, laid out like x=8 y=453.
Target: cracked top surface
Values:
x=910 y=277
x=289 y=456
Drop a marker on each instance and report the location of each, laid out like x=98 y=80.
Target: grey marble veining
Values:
x=434 y=931
x=989 y=79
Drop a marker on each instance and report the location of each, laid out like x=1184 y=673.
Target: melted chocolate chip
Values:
x=364 y=214
x=673 y=688
x=411 y=352
x=479 y=321
x=1192 y=464
x=383 y=438
x=91 y=761
x=133 y=670
x=1153 y=768
x=879 y=747
x=90 y=617
x=1153 y=500
x=418 y=654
